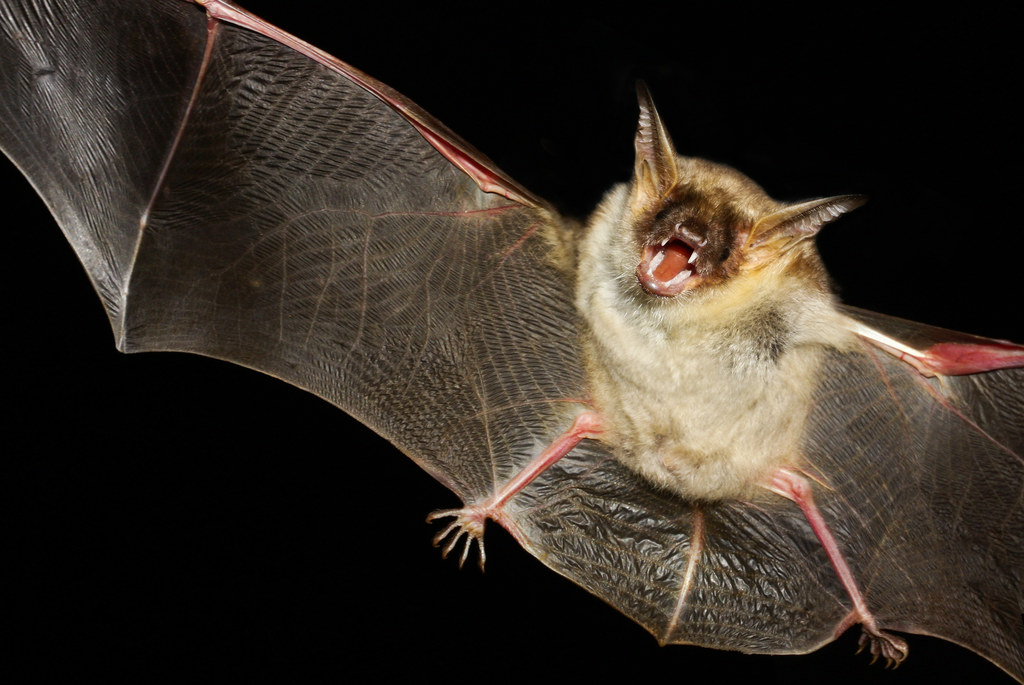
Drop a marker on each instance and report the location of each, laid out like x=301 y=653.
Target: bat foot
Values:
x=885 y=645
x=467 y=528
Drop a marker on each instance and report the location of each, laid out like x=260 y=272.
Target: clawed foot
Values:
x=469 y=521
x=467 y=527
x=882 y=644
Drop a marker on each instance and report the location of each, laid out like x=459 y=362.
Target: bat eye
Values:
x=725 y=254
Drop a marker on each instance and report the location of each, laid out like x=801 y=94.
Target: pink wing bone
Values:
x=961 y=355
x=469 y=521
x=471 y=161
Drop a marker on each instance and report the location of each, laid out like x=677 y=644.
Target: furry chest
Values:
x=701 y=419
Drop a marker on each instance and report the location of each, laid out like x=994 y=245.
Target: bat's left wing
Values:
x=918 y=442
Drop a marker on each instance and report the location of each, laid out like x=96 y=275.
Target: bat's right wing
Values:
x=232 y=197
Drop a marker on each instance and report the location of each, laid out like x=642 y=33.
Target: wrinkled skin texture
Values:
x=538 y=520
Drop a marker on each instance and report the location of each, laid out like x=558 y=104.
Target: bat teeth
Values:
x=656 y=260
x=693 y=257
x=682 y=276
x=665 y=241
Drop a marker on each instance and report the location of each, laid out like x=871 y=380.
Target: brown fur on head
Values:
x=697 y=224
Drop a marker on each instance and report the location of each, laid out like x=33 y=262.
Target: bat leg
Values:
x=795 y=487
x=469 y=522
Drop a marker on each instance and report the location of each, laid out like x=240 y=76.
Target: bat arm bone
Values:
x=971 y=355
x=903 y=352
x=796 y=488
x=488 y=178
x=470 y=520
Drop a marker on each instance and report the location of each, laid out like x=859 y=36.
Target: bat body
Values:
x=728 y=321
x=559 y=428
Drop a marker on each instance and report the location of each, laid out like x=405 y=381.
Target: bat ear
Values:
x=802 y=220
x=655 y=170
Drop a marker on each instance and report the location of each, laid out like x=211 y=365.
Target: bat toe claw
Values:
x=885 y=645
x=467 y=528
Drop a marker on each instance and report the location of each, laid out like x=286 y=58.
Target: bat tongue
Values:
x=675 y=256
x=665 y=270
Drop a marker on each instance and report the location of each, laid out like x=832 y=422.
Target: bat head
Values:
x=697 y=225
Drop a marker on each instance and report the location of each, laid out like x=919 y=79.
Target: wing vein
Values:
x=363 y=295
x=946 y=404
x=212 y=31
x=696 y=550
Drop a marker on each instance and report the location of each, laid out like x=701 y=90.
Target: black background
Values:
x=176 y=518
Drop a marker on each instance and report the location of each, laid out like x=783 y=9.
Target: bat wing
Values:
x=236 y=197
x=231 y=197
x=925 y=478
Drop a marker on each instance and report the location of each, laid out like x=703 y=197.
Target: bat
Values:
x=431 y=505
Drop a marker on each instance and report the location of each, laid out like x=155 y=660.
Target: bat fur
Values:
x=704 y=393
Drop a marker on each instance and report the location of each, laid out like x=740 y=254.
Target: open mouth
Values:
x=667 y=268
